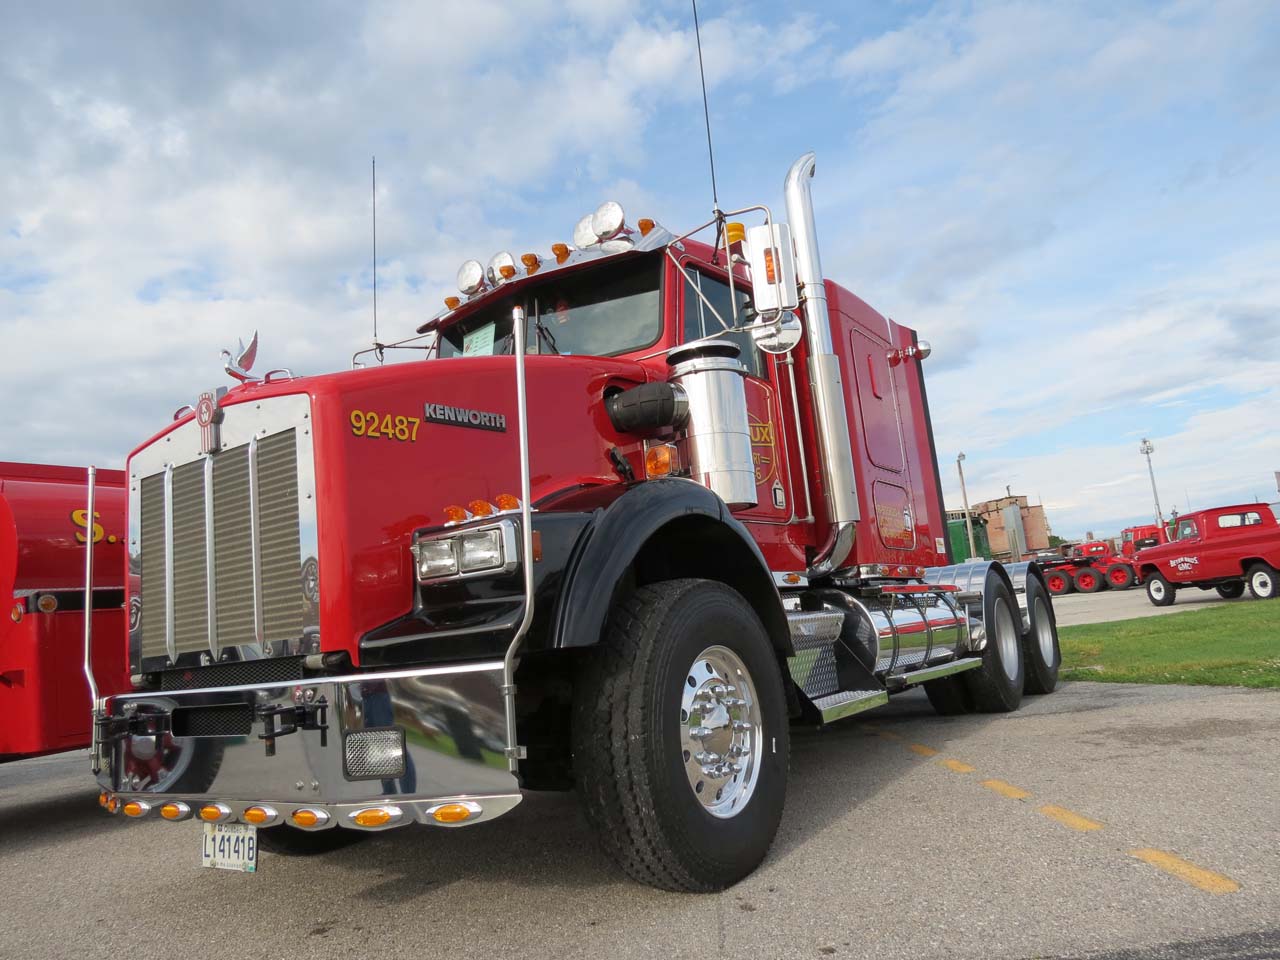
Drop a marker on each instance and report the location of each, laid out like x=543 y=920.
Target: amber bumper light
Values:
x=455 y=812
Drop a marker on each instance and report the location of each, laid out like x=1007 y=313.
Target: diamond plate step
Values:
x=848 y=702
x=811 y=628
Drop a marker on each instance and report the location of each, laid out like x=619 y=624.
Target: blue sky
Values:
x=1077 y=203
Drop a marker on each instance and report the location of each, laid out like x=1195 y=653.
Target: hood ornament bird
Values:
x=239 y=366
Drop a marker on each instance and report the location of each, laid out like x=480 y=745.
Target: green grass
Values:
x=1237 y=644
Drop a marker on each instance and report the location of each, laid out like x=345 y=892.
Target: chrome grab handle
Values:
x=88 y=615
x=514 y=751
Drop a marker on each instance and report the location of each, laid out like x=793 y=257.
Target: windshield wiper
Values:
x=544 y=334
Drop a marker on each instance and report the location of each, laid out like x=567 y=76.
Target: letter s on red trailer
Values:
x=636 y=512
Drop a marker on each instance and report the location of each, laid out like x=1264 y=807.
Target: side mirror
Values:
x=773 y=270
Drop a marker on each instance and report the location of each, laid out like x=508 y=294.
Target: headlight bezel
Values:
x=508 y=550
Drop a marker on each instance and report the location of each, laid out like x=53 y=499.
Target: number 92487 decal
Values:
x=368 y=423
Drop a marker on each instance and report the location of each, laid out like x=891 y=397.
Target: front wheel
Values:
x=680 y=737
x=1263 y=582
x=1160 y=591
x=1233 y=590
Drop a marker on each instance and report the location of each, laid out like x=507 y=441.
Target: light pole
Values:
x=1147 y=448
x=964 y=495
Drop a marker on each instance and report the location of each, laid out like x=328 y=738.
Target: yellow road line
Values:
x=924 y=751
x=1070 y=819
x=1206 y=880
x=957 y=766
x=1006 y=789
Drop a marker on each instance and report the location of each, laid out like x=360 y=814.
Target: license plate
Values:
x=230 y=846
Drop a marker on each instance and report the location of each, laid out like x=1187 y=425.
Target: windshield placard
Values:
x=479 y=342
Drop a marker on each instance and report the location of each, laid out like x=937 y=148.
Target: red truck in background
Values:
x=44 y=695
x=1091 y=567
x=1133 y=539
x=1223 y=549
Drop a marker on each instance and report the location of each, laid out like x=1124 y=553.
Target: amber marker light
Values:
x=531 y=263
x=451 y=813
x=506 y=271
x=47 y=603
x=645 y=226
x=561 y=250
x=735 y=232
x=480 y=508
x=456 y=513
x=175 y=811
x=113 y=805
x=659 y=460
x=375 y=816
x=136 y=808
x=453 y=303
x=103 y=799
x=770 y=271
x=506 y=502
x=308 y=818
x=258 y=815
x=16 y=613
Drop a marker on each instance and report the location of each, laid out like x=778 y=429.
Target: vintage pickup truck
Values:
x=1223 y=549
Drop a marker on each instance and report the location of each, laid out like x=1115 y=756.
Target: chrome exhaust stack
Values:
x=835 y=453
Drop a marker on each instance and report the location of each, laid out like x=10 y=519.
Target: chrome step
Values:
x=936 y=671
x=811 y=628
x=848 y=702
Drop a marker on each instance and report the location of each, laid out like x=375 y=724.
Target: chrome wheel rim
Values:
x=1044 y=630
x=1006 y=638
x=1156 y=589
x=1262 y=583
x=721 y=732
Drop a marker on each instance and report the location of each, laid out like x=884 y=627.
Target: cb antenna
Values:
x=706 y=113
x=374 y=183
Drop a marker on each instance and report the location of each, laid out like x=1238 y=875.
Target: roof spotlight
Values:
x=471 y=277
x=608 y=220
x=583 y=235
x=501 y=268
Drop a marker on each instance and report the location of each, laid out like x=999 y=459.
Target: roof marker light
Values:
x=561 y=251
x=646 y=226
x=452 y=303
x=531 y=263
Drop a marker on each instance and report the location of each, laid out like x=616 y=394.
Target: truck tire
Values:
x=996 y=686
x=1264 y=583
x=1088 y=580
x=1119 y=576
x=1042 y=653
x=949 y=696
x=291 y=842
x=1058 y=580
x=1233 y=590
x=1160 y=591
x=685 y=684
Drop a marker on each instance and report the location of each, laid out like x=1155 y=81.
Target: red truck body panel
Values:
x=1216 y=544
x=44 y=697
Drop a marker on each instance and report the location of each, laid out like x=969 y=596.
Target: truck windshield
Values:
x=606 y=310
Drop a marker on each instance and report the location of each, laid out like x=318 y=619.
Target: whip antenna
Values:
x=706 y=112
x=374 y=184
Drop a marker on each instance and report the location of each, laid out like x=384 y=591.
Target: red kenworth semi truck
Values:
x=45 y=704
x=647 y=501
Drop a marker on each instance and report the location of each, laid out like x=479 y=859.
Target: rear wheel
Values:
x=292 y=842
x=1058 y=581
x=1160 y=591
x=1231 y=591
x=1263 y=582
x=996 y=686
x=681 y=738
x=1088 y=580
x=1119 y=576
x=1041 y=642
x=949 y=696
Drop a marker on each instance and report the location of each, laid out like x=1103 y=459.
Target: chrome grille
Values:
x=246 y=499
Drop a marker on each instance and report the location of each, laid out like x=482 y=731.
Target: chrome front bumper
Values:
x=283 y=745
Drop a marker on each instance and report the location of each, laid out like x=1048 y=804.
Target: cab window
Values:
x=1250 y=519
x=700 y=322
x=1186 y=530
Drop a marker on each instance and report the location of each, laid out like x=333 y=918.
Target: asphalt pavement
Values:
x=1108 y=605
x=1104 y=821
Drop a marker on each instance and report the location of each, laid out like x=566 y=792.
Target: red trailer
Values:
x=44 y=694
x=704 y=506
x=1092 y=566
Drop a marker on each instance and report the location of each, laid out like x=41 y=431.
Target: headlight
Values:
x=488 y=549
x=481 y=551
x=435 y=558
